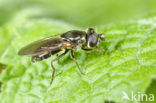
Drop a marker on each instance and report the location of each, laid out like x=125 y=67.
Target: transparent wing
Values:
x=42 y=46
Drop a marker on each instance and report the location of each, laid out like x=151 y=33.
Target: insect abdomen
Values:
x=40 y=58
x=37 y=58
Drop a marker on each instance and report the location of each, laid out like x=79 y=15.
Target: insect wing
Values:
x=42 y=46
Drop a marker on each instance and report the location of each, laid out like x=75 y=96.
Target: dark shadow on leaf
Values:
x=2 y=67
x=0 y=86
x=118 y=44
x=109 y=101
x=152 y=87
x=151 y=90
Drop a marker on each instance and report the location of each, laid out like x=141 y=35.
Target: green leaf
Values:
x=128 y=64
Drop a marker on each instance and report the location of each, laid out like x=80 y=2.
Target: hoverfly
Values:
x=68 y=41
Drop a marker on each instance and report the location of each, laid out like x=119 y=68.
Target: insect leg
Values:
x=57 y=56
x=87 y=49
x=95 y=49
x=73 y=57
x=53 y=73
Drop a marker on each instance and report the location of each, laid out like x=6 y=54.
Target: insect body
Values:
x=68 y=41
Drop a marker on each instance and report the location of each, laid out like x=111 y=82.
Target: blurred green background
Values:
x=83 y=13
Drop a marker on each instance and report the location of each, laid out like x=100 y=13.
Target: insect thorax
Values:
x=75 y=37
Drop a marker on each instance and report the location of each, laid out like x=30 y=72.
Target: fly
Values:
x=68 y=41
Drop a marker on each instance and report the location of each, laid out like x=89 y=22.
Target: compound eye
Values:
x=102 y=37
x=92 y=40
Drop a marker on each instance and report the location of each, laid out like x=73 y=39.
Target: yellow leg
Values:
x=53 y=73
x=72 y=55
